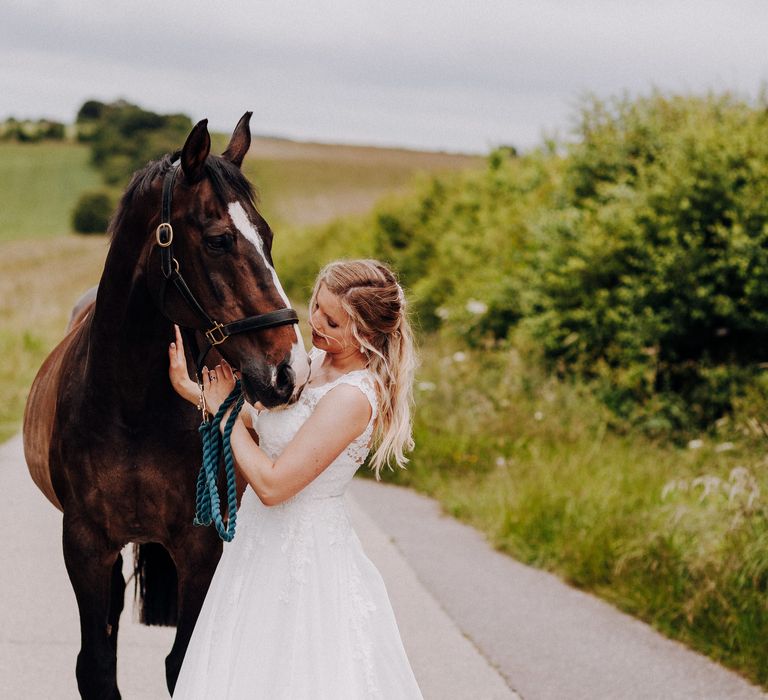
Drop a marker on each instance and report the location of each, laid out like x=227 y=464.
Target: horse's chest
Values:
x=132 y=487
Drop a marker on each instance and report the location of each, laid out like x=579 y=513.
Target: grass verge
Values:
x=677 y=536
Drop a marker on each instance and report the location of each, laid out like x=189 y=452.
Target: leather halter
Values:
x=215 y=332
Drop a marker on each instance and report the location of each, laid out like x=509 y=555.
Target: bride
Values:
x=296 y=610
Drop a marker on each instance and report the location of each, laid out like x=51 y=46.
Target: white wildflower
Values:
x=476 y=307
x=710 y=484
x=501 y=462
x=674 y=485
x=695 y=444
x=459 y=356
x=426 y=386
x=669 y=487
x=538 y=415
x=724 y=447
x=743 y=483
x=442 y=312
x=739 y=474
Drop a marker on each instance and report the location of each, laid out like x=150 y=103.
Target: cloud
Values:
x=449 y=74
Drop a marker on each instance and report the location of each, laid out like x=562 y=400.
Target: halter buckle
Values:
x=216 y=335
x=165 y=226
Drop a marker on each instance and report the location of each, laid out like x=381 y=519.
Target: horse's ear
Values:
x=240 y=141
x=195 y=151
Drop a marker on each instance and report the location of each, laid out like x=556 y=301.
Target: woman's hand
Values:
x=217 y=385
x=177 y=371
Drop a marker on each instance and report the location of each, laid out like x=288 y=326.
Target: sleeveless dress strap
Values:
x=363 y=381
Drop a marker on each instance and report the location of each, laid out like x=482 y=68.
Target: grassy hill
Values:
x=306 y=184
x=39 y=184
x=298 y=183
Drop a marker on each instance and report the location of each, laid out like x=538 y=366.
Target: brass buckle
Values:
x=212 y=336
x=165 y=226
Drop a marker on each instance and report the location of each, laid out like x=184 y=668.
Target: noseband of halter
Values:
x=215 y=332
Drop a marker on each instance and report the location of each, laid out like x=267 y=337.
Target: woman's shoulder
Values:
x=356 y=386
x=358 y=379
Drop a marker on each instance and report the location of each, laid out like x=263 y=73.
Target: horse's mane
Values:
x=227 y=181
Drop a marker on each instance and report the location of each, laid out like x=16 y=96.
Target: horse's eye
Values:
x=220 y=243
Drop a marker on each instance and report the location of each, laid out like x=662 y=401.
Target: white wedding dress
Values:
x=296 y=610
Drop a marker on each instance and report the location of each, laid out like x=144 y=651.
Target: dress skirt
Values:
x=296 y=611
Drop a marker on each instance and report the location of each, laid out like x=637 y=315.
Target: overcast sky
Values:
x=454 y=75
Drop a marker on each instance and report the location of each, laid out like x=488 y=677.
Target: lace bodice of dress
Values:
x=277 y=427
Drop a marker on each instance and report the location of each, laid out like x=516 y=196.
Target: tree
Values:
x=124 y=137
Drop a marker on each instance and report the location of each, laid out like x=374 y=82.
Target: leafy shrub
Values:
x=31 y=131
x=636 y=257
x=124 y=136
x=92 y=212
x=654 y=276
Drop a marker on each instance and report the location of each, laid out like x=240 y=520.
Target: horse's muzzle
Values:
x=272 y=386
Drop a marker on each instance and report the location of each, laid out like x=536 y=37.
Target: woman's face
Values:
x=329 y=319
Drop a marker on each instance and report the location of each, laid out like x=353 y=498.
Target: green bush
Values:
x=636 y=257
x=31 y=131
x=654 y=276
x=124 y=137
x=614 y=283
x=92 y=212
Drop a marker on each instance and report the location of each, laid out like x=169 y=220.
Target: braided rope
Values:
x=207 y=502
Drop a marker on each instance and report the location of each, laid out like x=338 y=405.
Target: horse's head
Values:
x=221 y=245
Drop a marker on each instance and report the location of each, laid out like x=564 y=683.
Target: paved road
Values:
x=39 y=631
x=476 y=624
x=548 y=640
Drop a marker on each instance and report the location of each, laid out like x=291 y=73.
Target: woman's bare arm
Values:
x=340 y=416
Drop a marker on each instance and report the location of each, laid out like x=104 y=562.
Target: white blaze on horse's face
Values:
x=299 y=361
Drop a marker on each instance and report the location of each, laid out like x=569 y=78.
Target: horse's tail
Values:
x=155 y=584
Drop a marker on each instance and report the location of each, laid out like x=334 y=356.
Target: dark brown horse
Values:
x=108 y=441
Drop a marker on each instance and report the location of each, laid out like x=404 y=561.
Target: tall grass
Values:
x=40 y=281
x=677 y=536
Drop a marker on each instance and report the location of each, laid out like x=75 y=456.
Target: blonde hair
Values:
x=370 y=294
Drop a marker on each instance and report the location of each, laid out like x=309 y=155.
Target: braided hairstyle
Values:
x=370 y=294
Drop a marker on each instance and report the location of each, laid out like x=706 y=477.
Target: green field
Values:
x=39 y=185
x=298 y=184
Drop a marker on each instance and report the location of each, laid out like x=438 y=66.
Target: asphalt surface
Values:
x=477 y=625
x=39 y=629
x=548 y=640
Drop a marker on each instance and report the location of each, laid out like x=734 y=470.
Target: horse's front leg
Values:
x=195 y=553
x=91 y=561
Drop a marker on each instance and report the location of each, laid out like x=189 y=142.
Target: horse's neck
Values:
x=128 y=343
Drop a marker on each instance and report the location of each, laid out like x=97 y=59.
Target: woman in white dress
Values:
x=296 y=610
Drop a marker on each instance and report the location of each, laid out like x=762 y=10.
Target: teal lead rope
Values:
x=208 y=503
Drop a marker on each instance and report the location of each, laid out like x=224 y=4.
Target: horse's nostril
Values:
x=284 y=380
x=284 y=374
x=272 y=386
